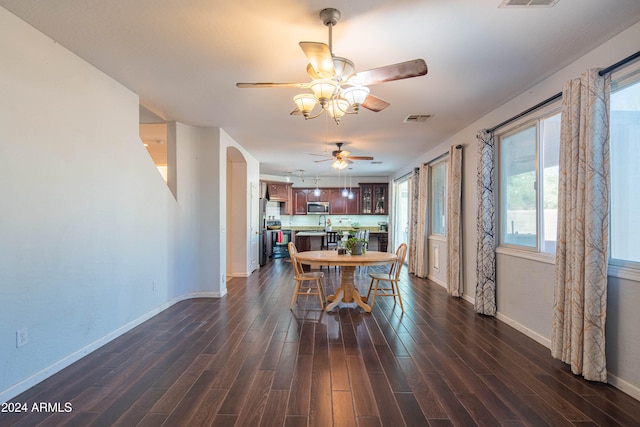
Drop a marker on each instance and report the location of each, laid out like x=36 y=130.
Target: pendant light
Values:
x=350 y=195
x=345 y=192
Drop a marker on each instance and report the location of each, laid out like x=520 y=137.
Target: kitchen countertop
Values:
x=311 y=233
x=318 y=231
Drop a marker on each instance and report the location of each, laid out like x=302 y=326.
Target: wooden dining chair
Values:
x=306 y=283
x=393 y=277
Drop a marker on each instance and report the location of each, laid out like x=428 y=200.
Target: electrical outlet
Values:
x=22 y=337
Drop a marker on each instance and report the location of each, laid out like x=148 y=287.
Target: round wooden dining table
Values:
x=347 y=294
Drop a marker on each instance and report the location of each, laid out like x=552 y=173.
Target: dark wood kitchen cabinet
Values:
x=300 y=201
x=340 y=205
x=323 y=197
x=279 y=191
x=373 y=199
x=303 y=195
x=383 y=242
x=353 y=205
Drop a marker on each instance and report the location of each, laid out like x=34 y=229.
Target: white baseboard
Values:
x=468 y=298
x=439 y=282
x=624 y=386
x=618 y=383
x=528 y=332
x=27 y=383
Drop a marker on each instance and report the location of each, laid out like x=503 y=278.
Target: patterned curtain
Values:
x=418 y=249
x=413 y=219
x=580 y=297
x=454 y=222
x=485 y=302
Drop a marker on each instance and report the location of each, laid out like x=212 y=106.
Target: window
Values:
x=529 y=184
x=624 y=160
x=438 y=198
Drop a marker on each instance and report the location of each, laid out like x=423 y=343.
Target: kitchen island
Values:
x=312 y=239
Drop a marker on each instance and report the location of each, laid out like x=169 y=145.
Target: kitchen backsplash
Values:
x=336 y=220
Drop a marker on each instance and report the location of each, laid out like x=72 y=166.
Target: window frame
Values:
x=533 y=119
x=617 y=267
x=442 y=161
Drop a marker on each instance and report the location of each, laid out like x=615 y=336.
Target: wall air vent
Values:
x=528 y=3
x=416 y=118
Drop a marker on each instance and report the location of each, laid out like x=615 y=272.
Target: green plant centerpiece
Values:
x=356 y=246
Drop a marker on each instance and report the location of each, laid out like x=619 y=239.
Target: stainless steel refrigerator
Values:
x=264 y=241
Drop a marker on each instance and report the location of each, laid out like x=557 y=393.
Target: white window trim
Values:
x=620 y=268
x=437 y=162
x=534 y=253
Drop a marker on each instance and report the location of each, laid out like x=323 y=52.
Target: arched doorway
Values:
x=237 y=214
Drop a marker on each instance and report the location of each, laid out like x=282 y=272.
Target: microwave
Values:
x=317 y=208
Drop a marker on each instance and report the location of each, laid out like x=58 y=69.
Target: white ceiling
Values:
x=183 y=58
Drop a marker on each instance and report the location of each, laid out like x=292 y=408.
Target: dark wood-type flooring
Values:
x=247 y=360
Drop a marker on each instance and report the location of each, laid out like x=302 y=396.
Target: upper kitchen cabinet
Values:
x=373 y=199
x=303 y=195
x=340 y=205
x=278 y=191
x=323 y=197
x=300 y=196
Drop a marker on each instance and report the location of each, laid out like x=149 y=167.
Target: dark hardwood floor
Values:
x=247 y=360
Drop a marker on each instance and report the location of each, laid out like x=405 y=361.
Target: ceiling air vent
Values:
x=528 y=3
x=416 y=118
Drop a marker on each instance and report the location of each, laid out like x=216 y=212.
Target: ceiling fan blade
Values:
x=312 y=73
x=360 y=158
x=321 y=155
x=320 y=58
x=389 y=73
x=325 y=160
x=263 y=85
x=295 y=112
x=374 y=103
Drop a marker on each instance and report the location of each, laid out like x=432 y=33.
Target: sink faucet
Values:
x=320 y=218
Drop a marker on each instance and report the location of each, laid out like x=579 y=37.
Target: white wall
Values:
x=525 y=286
x=86 y=218
x=92 y=241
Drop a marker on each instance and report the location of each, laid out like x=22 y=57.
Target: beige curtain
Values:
x=418 y=231
x=580 y=296
x=454 y=222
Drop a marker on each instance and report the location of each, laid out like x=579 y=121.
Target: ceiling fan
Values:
x=342 y=158
x=335 y=85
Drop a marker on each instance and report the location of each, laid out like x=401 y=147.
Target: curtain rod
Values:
x=602 y=72
x=404 y=176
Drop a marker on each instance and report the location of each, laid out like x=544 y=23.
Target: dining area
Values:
x=344 y=258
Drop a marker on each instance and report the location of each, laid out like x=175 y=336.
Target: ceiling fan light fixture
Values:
x=356 y=95
x=344 y=68
x=339 y=164
x=323 y=89
x=305 y=103
x=337 y=108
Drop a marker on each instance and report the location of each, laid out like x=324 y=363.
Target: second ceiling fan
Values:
x=342 y=158
x=335 y=84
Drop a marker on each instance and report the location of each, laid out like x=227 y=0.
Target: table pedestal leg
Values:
x=347 y=293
